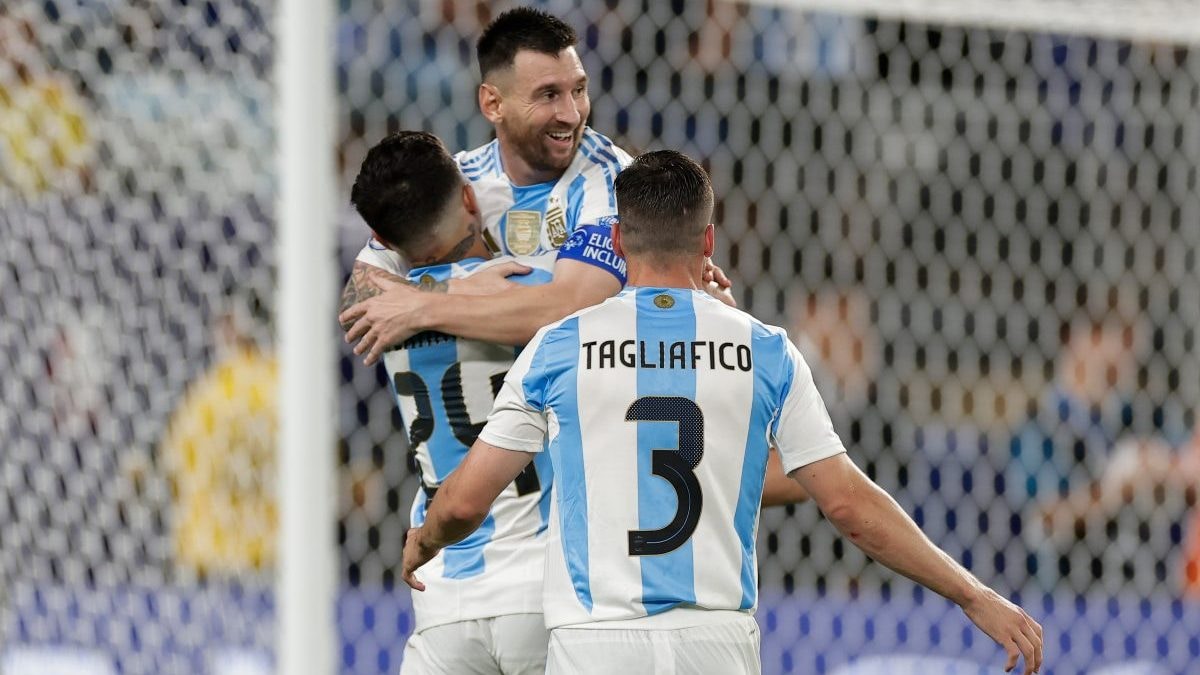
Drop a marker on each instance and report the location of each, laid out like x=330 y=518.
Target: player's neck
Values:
x=520 y=173
x=472 y=246
x=684 y=273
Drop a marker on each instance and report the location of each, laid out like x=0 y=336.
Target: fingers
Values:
x=1011 y=628
x=358 y=330
x=1013 y=655
x=367 y=341
x=412 y=559
x=351 y=315
x=410 y=578
x=715 y=290
x=509 y=269
x=371 y=345
x=712 y=272
x=1029 y=652
x=373 y=338
x=1033 y=632
x=376 y=353
x=720 y=277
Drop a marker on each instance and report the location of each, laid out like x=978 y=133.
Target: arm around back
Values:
x=510 y=317
x=514 y=316
x=461 y=504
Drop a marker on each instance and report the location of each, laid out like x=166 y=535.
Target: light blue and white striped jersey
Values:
x=530 y=219
x=572 y=215
x=442 y=385
x=659 y=406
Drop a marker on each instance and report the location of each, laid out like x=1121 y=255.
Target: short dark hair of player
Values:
x=517 y=29
x=664 y=204
x=404 y=185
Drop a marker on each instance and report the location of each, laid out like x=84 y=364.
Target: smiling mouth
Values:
x=562 y=136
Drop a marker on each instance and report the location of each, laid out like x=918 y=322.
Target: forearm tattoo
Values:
x=429 y=285
x=364 y=282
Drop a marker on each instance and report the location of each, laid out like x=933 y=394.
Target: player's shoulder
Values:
x=480 y=162
x=541 y=264
x=602 y=154
x=769 y=335
x=775 y=336
x=375 y=254
x=428 y=274
x=459 y=269
x=567 y=328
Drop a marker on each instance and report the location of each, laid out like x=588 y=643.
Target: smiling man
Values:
x=535 y=92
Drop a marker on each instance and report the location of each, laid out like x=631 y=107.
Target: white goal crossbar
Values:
x=1165 y=21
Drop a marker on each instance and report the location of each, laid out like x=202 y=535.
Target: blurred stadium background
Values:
x=980 y=223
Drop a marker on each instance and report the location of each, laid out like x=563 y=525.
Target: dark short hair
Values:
x=664 y=202
x=405 y=183
x=517 y=29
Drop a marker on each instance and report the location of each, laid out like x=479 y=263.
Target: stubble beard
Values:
x=533 y=149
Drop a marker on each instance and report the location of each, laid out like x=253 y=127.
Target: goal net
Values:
x=979 y=221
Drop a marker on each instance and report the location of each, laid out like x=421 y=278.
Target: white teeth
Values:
x=561 y=137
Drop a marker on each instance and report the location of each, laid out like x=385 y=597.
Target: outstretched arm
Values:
x=462 y=503
x=778 y=489
x=509 y=317
x=870 y=518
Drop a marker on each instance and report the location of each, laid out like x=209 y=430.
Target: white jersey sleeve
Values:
x=606 y=160
x=518 y=420
x=377 y=255
x=804 y=433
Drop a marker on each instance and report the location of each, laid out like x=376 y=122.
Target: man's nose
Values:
x=567 y=111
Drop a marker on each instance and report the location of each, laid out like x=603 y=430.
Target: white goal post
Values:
x=306 y=586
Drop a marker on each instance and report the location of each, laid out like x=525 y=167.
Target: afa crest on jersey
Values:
x=523 y=233
x=556 y=221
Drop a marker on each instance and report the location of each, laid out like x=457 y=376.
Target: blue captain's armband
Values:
x=592 y=244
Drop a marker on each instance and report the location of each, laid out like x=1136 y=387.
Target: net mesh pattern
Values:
x=981 y=234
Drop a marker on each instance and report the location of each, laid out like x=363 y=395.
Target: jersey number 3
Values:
x=675 y=465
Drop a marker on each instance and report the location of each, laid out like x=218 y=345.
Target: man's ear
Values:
x=616 y=239
x=489 y=102
x=470 y=202
x=710 y=240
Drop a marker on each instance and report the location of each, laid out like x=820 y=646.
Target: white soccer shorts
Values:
x=729 y=648
x=514 y=644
